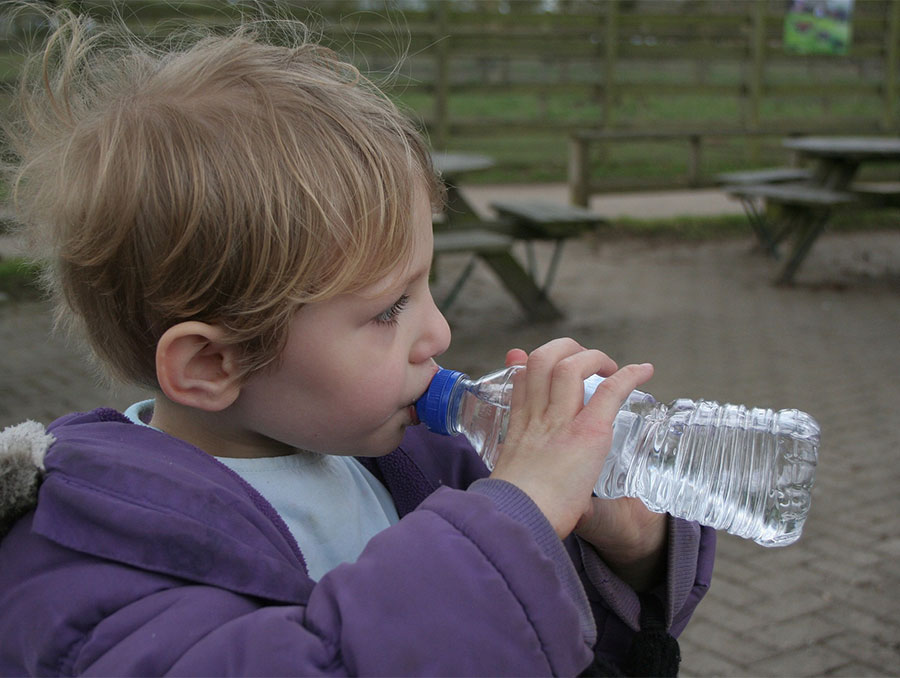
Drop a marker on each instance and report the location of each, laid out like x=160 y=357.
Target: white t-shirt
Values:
x=331 y=504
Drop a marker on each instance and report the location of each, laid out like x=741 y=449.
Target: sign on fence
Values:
x=818 y=26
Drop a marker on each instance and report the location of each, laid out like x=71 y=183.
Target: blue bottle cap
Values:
x=431 y=408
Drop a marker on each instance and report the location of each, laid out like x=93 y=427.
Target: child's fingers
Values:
x=608 y=368
x=567 y=386
x=541 y=365
x=612 y=392
x=516 y=356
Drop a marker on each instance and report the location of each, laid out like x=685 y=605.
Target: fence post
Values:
x=694 y=160
x=758 y=50
x=440 y=133
x=609 y=66
x=579 y=171
x=891 y=55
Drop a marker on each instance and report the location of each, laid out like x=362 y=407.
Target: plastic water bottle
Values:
x=746 y=471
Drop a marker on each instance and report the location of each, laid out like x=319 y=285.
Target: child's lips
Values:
x=413 y=414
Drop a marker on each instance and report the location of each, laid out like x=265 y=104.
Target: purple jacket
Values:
x=146 y=556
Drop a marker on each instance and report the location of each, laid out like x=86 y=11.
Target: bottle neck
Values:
x=458 y=392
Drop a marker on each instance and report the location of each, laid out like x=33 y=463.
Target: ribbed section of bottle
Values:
x=746 y=471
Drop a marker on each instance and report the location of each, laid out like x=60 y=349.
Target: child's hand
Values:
x=629 y=537
x=555 y=444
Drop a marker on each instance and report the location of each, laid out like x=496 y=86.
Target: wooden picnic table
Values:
x=460 y=228
x=450 y=165
x=453 y=168
x=838 y=158
x=806 y=205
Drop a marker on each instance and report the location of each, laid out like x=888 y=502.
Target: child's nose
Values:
x=435 y=336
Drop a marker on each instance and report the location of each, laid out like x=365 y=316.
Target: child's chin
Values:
x=384 y=446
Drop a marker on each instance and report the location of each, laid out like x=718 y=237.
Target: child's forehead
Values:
x=399 y=278
x=388 y=285
x=410 y=268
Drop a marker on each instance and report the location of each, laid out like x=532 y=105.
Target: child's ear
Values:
x=196 y=368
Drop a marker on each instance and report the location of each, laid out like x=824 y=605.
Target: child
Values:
x=245 y=229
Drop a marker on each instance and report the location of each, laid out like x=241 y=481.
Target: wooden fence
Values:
x=615 y=43
x=483 y=74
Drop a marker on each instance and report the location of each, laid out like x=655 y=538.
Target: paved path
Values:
x=707 y=317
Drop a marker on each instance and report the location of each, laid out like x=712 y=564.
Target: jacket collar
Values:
x=134 y=495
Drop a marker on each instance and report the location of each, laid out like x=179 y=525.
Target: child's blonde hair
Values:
x=227 y=181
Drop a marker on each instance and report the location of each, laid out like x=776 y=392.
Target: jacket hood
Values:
x=151 y=501
x=22 y=451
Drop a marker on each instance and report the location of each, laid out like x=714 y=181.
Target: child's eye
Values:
x=389 y=316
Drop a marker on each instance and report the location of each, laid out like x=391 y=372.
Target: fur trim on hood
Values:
x=22 y=450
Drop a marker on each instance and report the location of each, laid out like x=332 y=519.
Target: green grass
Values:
x=19 y=279
x=735 y=225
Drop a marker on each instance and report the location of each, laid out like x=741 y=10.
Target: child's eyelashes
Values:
x=389 y=316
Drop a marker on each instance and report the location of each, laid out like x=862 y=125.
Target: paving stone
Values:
x=779 y=581
x=860 y=621
x=708 y=665
x=807 y=661
x=738 y=618
x=740 y=648
x=855 y=670
x=873 y=650
x=878 y=598
x=801 y=631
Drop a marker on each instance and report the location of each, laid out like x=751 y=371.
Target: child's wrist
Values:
x=640 y=561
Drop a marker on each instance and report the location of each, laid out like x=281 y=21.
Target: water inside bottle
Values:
x=745 y=471
x=486 y=424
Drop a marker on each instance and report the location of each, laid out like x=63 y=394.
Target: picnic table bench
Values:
x=794 y=194
x=804 y=203
x=746 y=186
x=773 y=175
x=878 y=193
x=803 y=210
